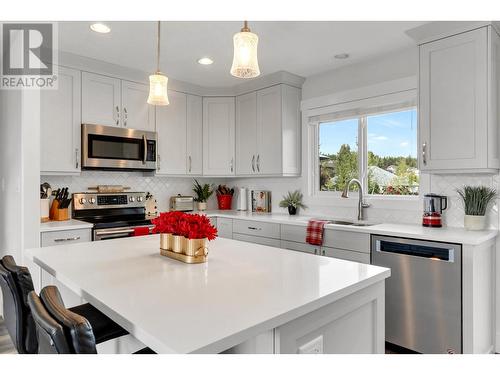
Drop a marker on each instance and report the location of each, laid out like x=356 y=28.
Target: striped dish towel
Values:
x=315 y=231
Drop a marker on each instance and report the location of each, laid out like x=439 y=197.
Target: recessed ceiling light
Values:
x=205 y=61
x=341 y=56
x=100 y=28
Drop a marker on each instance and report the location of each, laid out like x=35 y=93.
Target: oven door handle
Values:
x=99 y=232
x=145 y=145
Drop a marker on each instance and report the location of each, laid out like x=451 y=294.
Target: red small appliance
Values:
x=434 y=205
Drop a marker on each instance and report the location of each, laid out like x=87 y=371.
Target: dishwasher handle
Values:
x=446 y=254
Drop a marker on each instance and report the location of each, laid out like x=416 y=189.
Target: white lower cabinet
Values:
x=354 y=256
x=256 y=239
x=64 y=237
x=225 y=227
x=256 y=228
x=300 y=246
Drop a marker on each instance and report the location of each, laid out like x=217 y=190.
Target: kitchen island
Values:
x=247 y=298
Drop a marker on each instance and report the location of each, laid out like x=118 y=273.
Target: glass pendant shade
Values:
x=158 y=89
x=245 y=63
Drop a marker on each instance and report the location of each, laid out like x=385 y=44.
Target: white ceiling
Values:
x=299 y=47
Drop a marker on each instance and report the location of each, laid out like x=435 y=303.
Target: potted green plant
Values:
x=476 y=200
x=293 y=201
x=203 y=192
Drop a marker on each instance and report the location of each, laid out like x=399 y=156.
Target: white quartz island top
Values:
x=72 y=224
x=444 y=234
x=244 y=289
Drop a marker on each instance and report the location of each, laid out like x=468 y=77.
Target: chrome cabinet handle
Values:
x=67 y=239
x=258 y=163
x=424 y=153
x=323 y=252
x=254 y=228
x=253 y=163
x=190 y=163
x=125 y=116
x=158 y=161
x=77 y=162
x=316 y=251
x=231 y=165
x=117 y=115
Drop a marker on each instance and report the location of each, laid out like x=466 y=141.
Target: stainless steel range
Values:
x=114 y=215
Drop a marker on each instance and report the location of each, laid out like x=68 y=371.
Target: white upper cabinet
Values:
x=268 y=132
x=246 y=134
x=114 y=102
x=60 y=125
x=457 y=127
x=218 y=136
x=101 y=100
x=171 y=126
x=136 y=112
x=194 y=135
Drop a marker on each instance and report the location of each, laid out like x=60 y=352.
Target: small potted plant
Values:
x=293 y=201
x=203 y=192
x=476 y=200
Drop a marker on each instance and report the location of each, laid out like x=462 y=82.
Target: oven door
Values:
x=107 y=147
x=112 y=233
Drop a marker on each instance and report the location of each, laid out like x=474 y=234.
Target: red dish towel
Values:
x=141 y=231
x=315 y=232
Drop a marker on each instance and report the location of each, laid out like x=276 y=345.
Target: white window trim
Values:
x=310 y=117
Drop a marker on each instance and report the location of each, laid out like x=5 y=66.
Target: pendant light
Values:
x=158 y=82
x=245 y=63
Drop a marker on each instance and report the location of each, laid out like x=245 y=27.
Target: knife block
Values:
x=58 y=214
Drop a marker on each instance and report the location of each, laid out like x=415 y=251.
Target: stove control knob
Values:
x=140 y=199
x=131 y=199
x=83 y=201
x=91 y=200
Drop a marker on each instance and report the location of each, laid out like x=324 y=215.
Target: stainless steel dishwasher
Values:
x=423 y=296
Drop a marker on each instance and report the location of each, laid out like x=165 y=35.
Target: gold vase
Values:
x=166 y=241
x=196 y=247
x=178 y=244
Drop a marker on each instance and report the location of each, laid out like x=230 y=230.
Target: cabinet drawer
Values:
x=340 y=239
x=354 y=256
x=257 y=228
x=255 y=239
x=65 y=237
x=295 y=233
x=298 y=246
x=225 y=227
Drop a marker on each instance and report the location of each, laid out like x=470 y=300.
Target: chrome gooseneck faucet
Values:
x=361 y=204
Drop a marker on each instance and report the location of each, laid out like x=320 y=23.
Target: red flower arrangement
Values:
x=191 y=226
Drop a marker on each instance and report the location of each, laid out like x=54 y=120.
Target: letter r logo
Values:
x=27 y=49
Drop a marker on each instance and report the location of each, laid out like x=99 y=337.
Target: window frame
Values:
x=362 y=156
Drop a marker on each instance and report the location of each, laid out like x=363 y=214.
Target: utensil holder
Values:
x=58 y=214
x=224 y=201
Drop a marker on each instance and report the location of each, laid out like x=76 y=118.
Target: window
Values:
x=380 y=149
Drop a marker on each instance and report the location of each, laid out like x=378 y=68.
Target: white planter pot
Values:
x=474 y=222
x=202 y=206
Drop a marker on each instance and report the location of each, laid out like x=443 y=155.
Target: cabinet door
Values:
x=136 y=112
x=353 y=256
x=100 y=100
x=171 y=128
x=194 y=135
x=246 y=134
x=60 y=120
x=269 y=131
x=453 y=102
x=225 y=227
x=218 y=136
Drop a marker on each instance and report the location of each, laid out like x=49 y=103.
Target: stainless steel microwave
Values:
x=113 y=148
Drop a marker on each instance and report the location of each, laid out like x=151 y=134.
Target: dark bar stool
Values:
x=16 y=284
x=61 y=331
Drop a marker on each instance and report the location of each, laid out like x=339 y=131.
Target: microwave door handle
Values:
x=145 y=144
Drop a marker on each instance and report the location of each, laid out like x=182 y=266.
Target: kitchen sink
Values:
x=341 y=222
x=353 y=223
x=362 y=224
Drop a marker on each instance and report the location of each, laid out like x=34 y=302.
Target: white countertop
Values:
x=52 y=226
x=243 y=290
x=444 y=234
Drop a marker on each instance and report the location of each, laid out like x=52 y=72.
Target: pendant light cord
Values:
x=158 y=49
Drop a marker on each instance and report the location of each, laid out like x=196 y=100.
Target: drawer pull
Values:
x=254 y=228
x=67 y=239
